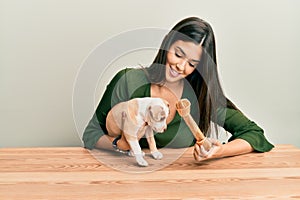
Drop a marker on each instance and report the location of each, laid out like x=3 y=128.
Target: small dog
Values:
x=136 y=118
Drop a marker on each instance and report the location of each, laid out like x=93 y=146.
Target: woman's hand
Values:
x=215 y=151
x=105 y=142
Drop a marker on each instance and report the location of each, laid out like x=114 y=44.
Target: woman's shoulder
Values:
x=131 y=73
x=130 y=79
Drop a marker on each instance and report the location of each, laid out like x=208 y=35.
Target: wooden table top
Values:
x=76 y=173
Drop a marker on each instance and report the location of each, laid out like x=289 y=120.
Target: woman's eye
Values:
x=178 y=55
x=192 y=64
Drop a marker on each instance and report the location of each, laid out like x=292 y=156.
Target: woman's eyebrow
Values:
x=181 y=50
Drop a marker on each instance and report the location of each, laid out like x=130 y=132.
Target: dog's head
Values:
x=158 y=112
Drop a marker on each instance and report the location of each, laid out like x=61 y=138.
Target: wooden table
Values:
x=76 y=173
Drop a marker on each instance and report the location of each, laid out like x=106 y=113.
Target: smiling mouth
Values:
x=174 y=73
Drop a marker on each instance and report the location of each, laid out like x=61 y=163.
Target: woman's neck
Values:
x=174 y=84
x=175 y=87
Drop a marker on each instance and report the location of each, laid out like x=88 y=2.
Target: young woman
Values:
x=184 y=67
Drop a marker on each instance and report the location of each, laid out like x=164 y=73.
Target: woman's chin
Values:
x=173 y=79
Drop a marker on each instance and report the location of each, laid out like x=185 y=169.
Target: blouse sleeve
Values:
x=241 y=127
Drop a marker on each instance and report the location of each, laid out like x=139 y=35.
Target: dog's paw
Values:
x=157 y=155
x=140 y=160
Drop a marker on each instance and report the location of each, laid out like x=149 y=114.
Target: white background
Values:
x=44 y=42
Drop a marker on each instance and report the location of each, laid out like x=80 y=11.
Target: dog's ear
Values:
x=150 y=112
x=157 y=113
x=166 y=102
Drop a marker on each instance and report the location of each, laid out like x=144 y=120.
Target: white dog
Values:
x=136 y=118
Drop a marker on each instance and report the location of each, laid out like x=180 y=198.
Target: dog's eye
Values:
x=159 y=119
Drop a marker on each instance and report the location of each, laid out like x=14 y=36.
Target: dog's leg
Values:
x=152 y=144
x=130 y=132
x=136 y=149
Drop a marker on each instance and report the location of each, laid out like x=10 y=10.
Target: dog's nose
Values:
x=164 y=129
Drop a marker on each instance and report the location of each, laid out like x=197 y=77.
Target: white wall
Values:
x=44 y=42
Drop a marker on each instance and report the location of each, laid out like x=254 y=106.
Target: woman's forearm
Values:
x=104 y=142
x=233 y=148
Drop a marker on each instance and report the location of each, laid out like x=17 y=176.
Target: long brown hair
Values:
x=204 y=80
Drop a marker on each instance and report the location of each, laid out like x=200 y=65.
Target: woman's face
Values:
x=182 y=59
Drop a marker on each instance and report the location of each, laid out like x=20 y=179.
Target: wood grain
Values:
x=76 y=173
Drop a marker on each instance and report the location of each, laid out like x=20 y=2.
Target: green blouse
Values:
x=132 y=83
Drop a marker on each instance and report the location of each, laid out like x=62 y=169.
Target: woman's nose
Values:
x=180 y=65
